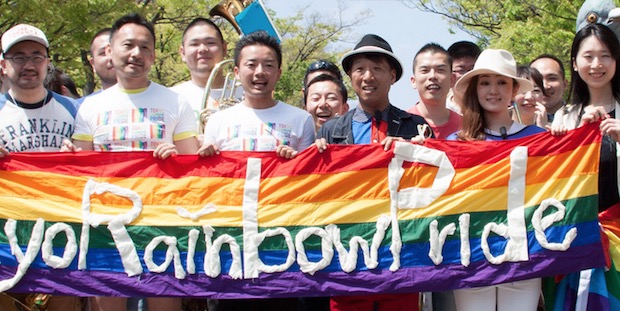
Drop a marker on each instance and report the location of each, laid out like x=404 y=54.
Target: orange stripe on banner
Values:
x=368 y=184
x=304 y=214
x=540 y=169
x=184 y=191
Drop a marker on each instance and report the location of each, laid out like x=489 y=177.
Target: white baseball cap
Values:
x=23 y=32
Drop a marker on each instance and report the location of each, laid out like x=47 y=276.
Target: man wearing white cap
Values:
x=373 y=68
x=32 y=118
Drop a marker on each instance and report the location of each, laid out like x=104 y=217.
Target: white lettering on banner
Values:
x=212 y=265
x=116 y=225
x=514 y=231
x=69 y=251
x=541 y=224
x=34 y=244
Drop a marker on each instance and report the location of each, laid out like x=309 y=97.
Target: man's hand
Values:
x=208 y=150
x=165 y=150
x=68 y=146
x=286 y=152
x=3 y=152
x=321 y=144
x=388 y=141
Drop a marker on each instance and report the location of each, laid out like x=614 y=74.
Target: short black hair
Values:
x=463 y=49
x=434 y=48
x=258 y=38
x=132 y=18
x=202 y=20
x=326 y=77
x=104 y=31
x=552 y=57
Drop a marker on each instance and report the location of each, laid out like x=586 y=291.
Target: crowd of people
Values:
x=465 y=94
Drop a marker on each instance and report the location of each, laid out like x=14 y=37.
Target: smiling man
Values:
x=202 y=48
x=373 y=68
x=135 y=114
x=433 y=78
x=259 y=122
x=325 y=97
x=554 y=81
x=32 y=118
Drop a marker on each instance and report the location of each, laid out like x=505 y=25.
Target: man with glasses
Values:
x=32 y=118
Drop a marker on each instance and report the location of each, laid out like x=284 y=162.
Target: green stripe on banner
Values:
x=411 y=231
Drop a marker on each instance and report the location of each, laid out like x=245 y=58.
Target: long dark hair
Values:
x=580 y=95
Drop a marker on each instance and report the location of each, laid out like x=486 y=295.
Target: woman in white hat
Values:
x=485 y=94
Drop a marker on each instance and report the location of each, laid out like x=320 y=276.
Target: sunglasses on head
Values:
x=323 y=65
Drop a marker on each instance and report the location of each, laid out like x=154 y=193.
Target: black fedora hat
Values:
x=373 y=44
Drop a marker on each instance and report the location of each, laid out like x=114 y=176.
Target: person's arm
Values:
x=187 y=146
x=80 y=145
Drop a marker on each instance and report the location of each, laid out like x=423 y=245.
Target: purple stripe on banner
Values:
x=296 y=284
x=595 y=302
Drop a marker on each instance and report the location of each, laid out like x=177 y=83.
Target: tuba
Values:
x=245 y=16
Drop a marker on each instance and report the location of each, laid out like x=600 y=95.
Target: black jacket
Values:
x=400 y=124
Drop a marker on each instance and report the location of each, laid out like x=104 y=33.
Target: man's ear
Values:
x=182 y=52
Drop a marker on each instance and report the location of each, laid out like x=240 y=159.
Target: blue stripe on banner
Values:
x=412 y=255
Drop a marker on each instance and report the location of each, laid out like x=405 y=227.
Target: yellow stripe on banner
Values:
x=306 y=214
x=546 y=168
x=614 y=248
x=487 y=200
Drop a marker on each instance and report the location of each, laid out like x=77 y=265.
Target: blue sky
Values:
x=406 y=29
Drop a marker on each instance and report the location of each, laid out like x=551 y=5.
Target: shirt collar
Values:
x=361 y=116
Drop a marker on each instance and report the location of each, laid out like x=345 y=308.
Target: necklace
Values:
x=41 y=103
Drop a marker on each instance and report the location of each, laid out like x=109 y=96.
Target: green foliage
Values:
x=70 y=26
x=525 y=28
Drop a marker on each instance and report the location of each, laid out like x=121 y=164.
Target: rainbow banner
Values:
x=352 y=220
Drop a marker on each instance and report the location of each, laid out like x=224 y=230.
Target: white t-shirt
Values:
x=36 y=128
x=195 y=93
x=118 y=120
x=241 y=128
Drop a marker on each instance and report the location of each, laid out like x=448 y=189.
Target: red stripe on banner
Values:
x=334 y=160
x=542 y=144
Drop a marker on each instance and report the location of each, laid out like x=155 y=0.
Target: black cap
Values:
x=373 y=44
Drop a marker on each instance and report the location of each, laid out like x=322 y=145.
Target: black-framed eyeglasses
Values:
x=324 y=65
x=22 y=59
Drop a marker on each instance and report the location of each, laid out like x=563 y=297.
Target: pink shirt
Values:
x=444 y=130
